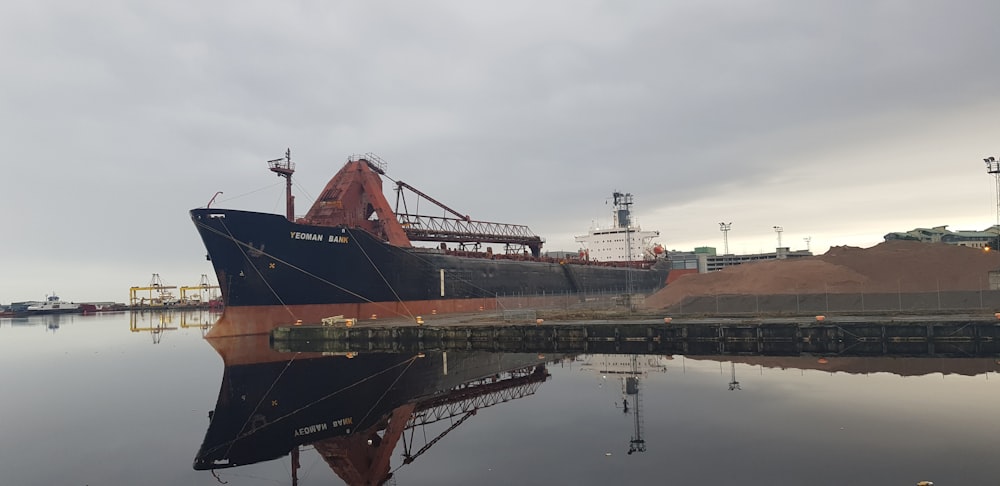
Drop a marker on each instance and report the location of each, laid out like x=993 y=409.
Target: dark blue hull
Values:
x=265 y=260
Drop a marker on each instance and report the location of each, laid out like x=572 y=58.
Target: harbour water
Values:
x=114 y=400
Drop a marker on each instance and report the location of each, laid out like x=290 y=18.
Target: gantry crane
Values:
x=159 y=294
x=203 y=293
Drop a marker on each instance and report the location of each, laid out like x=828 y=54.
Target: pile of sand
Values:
x=892 y=266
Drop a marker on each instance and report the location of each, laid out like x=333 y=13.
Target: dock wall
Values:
x=959 y=338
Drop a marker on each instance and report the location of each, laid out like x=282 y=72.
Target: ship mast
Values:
x=285 y=168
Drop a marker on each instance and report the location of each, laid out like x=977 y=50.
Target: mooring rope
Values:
x=262 y=397
x=408 y=364
x=292 y=266
x=247 y=257
x=379 y=271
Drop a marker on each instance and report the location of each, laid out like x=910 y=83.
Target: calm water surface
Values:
x=86 y=401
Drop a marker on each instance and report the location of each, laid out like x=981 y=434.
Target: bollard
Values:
x=538 y=322
x=420 y=321
x=374 y=317
x=349 y=322
x=298 y=322
x=666 y=320
x=434 y=311
x=820 y=318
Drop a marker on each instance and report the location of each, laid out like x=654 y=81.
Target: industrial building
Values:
x=941 y=234
x=704 y=259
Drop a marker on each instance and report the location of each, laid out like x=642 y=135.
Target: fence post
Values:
x=826 y=295
x=939 y=292
x=862 y=296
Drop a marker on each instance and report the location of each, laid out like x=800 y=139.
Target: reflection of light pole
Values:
x=733 y=384
x=779 y=229
x=993 y=167
x=724 y=227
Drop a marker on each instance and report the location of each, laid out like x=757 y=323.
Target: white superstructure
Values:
x=623 y=241
x=54 y=305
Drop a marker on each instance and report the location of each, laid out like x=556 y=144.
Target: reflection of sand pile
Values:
x=892 y=266
x=902 y=366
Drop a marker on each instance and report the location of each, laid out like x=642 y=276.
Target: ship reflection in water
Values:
x=352 y=409
x=367 y=415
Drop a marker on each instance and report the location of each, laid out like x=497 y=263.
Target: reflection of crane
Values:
x=155 y=329
x=466 y=400
x=363 y=457
x=632 y=388
x=733 y=384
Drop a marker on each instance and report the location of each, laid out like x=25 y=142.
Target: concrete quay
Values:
x=965 y=335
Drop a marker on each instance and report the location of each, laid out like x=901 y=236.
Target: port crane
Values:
x=202 y=293
x=158 y=293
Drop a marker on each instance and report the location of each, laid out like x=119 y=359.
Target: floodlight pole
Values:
x=779 y=229
x=993 y=167
x=724 y=227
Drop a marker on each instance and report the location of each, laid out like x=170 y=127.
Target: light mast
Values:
x=285 y=168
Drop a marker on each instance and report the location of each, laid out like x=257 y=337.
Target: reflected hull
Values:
x=266 y=409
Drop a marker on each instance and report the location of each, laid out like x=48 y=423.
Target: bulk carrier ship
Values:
x=352 y=255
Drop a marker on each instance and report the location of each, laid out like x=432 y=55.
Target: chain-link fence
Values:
x=511 y=306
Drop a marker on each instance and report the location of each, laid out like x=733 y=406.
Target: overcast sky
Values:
x=839 y=121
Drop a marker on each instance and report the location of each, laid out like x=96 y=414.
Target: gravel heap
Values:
x=892 y=266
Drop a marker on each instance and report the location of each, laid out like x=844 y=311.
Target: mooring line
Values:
x=262 y=397
x=294 y=267
x=247 y=257
x=379 y=271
